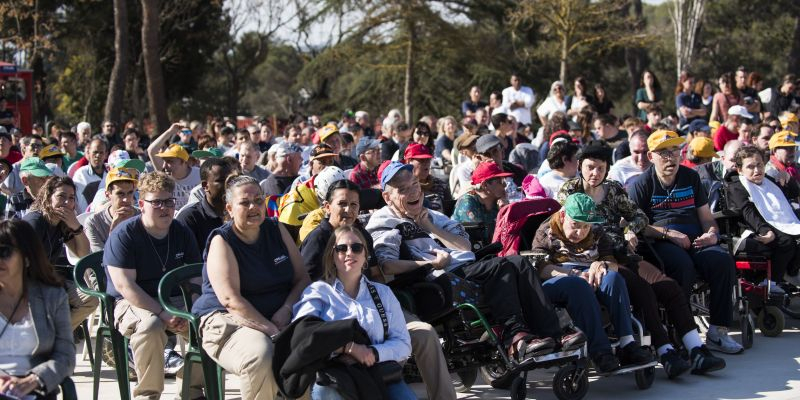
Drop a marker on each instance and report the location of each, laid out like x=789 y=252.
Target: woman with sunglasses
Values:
x=345 y=293
x=36 y=349
x=56 y=225
x=252 y=276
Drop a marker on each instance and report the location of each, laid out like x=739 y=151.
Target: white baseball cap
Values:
x=740 y=111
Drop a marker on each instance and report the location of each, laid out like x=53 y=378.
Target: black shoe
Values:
x=526 y=346
x=633 y=354
x=703 y=361
x=605 y=362
x=674 y=364
x=572 y=340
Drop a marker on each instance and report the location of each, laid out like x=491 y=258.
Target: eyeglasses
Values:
x=668 y=153
x=6 y=252
x=35 y=146
x=162 y=203
x=354 y=247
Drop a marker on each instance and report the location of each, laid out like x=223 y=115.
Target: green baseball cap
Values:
x=214 y=152
x=582 y=208
x=35 y=167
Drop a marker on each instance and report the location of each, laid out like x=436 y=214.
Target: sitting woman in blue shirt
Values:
x=344 y=293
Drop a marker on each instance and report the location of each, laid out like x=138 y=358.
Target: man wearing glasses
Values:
x=686 y=235
x=137 y=255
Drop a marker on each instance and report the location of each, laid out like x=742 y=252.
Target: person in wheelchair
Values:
x=765 y=208
x=685 y=233
x=403 y=233
x=346 y=293
x=646 y=284
x=341 y=210
x=568 y=237
x=481 y=204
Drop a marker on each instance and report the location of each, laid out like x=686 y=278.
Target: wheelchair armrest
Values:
x=725 y=214
x=489 y=249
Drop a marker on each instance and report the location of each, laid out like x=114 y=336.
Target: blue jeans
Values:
x=581 y=303
x=397 y=391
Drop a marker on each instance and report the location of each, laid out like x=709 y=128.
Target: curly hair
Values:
x=155 y=182
x=746 y=152
x=43 y=203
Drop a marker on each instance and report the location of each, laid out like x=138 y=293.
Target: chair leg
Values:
x=88 y=341
x=120 y=345
x=98 y=363
x=210 y=378
x=187 y=377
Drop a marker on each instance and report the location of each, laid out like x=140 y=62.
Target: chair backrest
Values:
x=181 y=278
x=93 y=262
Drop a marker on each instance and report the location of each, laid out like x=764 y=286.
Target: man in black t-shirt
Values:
x=137 y=255
x=207 y=214
x=686 y=235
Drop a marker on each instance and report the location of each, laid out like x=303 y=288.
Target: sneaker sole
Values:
x=675 y=374
x=712 y=369
x=723 y=350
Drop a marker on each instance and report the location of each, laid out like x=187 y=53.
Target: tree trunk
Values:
x=635 y=58
x=794 y=55
x=119 y=73
x=562 y=74
x=411 y=58
x=152 y=64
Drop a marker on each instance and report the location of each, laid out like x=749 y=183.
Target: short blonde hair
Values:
x=155 y=182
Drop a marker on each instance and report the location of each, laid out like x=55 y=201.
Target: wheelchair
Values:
x=768 y=306
x=471 y=343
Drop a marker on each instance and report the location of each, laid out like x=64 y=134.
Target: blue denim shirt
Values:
x=331 y=303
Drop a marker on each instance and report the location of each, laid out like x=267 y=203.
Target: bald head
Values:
x=730 y=149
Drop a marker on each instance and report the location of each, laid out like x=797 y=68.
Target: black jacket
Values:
x=304 y=348
x=739 y=202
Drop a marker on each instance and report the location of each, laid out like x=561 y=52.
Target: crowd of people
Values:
x=299 y=230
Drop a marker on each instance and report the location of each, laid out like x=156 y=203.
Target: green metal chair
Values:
x=66 y=272
x=212 y=373
x=119 y=343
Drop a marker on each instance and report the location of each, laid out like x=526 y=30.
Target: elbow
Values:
x=230 y=302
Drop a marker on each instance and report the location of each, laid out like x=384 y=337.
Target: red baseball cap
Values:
x=487 y=170
x=416 y=150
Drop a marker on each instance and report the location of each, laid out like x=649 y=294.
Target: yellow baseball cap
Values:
x=662 y=139
x=714 y=125
x=175 y=151
x=121 y=174
x=702 y=147
x=787 y=118
x=782 y=139
x=326 y=131
x=50 y=151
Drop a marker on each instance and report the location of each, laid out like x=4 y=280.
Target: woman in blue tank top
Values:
x=252 y=276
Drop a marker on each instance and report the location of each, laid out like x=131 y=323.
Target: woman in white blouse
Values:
x=344 y=293
x=36 y=348
x=553 y=103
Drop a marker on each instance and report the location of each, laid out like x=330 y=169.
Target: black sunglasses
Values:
x=6 y=252
x=355 y=248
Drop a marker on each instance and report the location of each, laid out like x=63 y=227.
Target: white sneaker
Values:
x=717 y=339
x=773 y=287
x=793 y=279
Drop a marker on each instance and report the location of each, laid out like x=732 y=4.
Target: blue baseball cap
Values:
x=699 y=125
x=389 y=169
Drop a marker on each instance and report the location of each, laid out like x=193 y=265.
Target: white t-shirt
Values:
x=552 y=183
x=183 y=187
x=623 y=171
x=84 y=176
x=524 y=94
x=549 y=106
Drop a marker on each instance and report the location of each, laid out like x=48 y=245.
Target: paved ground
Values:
x=770 y=370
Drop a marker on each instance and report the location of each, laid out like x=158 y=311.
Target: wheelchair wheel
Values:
x=771 y=321
x=496 y=375
x=645 y=377
x=748 y=331
x=571 y=382
x=519 y=388
x=465 y=379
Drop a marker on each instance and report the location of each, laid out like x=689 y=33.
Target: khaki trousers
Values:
x=81 y=305
x=429 y=358
x=148 y=336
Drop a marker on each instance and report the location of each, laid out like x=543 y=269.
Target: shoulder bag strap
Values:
x=379 y=305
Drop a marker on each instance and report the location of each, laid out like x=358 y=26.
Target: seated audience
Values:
x=207 y=214
x=120 y=189
x=481 y=204
x=434 y=189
